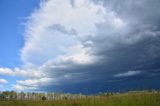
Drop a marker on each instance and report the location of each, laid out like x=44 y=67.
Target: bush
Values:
x=44 y=98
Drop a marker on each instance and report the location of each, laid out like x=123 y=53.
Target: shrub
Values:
x=44 y=98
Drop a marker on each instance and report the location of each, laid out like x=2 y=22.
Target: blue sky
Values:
x=13 y=15
x=77 y=46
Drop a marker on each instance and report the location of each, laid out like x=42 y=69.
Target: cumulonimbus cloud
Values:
x=68 y=42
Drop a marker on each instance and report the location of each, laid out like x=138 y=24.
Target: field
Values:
x=126 y=99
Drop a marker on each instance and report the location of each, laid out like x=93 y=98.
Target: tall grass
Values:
x=127 y=99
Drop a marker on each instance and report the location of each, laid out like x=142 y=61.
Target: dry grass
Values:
x=128 y=99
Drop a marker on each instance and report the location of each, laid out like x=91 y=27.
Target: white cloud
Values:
x=128 y=74
x=32 y=84
x=44 y=40
x=35 y=82
x=77 y=54
x=22 y=88
x=3 y=81
x=29 y=73
x=6 y=71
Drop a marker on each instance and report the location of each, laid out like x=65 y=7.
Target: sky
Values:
x=79 y=46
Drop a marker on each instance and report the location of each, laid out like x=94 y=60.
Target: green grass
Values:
x=128 y=99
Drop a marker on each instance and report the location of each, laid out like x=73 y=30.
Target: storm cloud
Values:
x=92 y=44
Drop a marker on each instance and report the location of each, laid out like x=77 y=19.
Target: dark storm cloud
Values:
x=136 y=48
x=132 y=53
x=143 y=10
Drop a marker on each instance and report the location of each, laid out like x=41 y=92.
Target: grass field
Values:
x=128 y=99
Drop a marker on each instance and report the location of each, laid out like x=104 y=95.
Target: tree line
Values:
x=13 y=95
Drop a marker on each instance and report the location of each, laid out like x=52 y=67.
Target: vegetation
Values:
x=104 y=99
x=12 y=95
